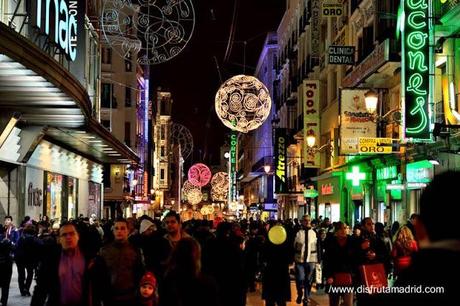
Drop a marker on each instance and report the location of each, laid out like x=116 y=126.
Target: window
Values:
x=128 y=65
x=107 y=96
x=163 y=132
x=162 y=151
x=127 y=96
x=128 y=133
x=162 y=174
x=106 y=55
x=106 y=124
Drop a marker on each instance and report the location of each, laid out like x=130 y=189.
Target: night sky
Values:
x=193 y=77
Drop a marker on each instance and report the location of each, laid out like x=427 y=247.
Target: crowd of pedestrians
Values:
x=150 y=262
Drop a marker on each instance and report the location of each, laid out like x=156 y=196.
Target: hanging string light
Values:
x=199 y=175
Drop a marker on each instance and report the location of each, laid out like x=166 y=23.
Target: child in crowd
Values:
x=148 y=290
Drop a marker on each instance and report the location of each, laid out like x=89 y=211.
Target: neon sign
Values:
x=415 y=45
x=58 y=20
x=232 y=175
x=355 y=176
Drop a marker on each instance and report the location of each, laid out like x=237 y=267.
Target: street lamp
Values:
x=371 y=98
x=267 y=169
x=311 y=143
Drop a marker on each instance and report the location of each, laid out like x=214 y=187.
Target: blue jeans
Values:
x=303 y=278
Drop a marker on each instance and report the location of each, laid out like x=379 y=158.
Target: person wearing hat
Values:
x=148 y=290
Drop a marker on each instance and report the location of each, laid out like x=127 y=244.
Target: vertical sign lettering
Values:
x=415 y=47
x=233 y=196
x=315 y=28
x=311 y=121
x=280 y=160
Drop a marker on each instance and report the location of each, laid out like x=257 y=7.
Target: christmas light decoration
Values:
x=194 y=196
x=219 y=181
x=243 y=103
x=182 y=136
x=160 y=29
x=199 y=175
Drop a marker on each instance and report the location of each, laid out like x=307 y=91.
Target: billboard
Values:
x=355 y=120
x=310 y=100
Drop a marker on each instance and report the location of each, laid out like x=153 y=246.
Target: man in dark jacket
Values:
x=120 y=267
x=63 y=275
x=6 y=265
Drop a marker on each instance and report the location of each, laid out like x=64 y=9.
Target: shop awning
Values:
x=46 y=95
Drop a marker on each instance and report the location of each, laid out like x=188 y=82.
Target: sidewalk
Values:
x=15 y=298
x=320 y=299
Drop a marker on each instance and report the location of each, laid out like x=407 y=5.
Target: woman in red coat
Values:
x=403 y=248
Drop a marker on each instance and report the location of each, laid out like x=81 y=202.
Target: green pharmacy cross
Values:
x=356 y=176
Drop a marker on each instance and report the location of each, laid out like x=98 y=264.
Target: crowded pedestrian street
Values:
x=229 y=152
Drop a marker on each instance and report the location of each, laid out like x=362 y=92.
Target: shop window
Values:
x=54 y=199
x=72 y=197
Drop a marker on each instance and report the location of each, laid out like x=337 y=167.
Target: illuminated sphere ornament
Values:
x=243 y=103
x=189 y=187
x=218 y=195
x=277 y=235
x=220 y=181
x=182 y=136
x=199 y=175
x=194 y=196
x=159 y=28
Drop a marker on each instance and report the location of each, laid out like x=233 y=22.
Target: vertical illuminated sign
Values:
x=311 y=121
x=233 y=196
x=415 y=47
x=280 y=160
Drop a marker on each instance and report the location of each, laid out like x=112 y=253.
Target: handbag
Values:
x=342 y=279
x=318 y=273
x=374 y=275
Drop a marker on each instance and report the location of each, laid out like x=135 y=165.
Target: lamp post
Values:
x=371 y=99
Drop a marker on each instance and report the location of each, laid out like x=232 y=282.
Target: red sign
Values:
x=327 y=189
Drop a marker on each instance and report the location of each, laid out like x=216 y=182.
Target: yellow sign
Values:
x=373 y=145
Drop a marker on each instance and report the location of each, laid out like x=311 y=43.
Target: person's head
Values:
x=29 y=229
x=357 y=230
x=147 y=227
x=120 y=230
x=341 y=229
x=413 y=218
x=431 y=225
x=172 y=222
x=8 y=220
x=306 y=221
x=379 y=228
x=131 y=222
x=368 y=225
x=68 y=236
x=404 y=237
x=148 y=285
x=186 y=258
x=327 y=222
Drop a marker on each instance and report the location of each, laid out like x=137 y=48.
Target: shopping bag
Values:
x=318 y=273
x=342 y=279
x=373 y=275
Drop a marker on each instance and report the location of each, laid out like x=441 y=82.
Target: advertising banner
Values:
x=280 y=151
x=332 y=8
x=315 y=28
x=310 y=100
x=355 y=120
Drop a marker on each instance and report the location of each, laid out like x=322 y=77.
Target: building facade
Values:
x=53 y=149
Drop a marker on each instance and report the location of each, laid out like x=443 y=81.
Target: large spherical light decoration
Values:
x=188 y=187
x=160 y=29
x=182 y=136
x=220 y=181
x=194 y=196
x=199 y=175
x=243 y=103
x=218 y=195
